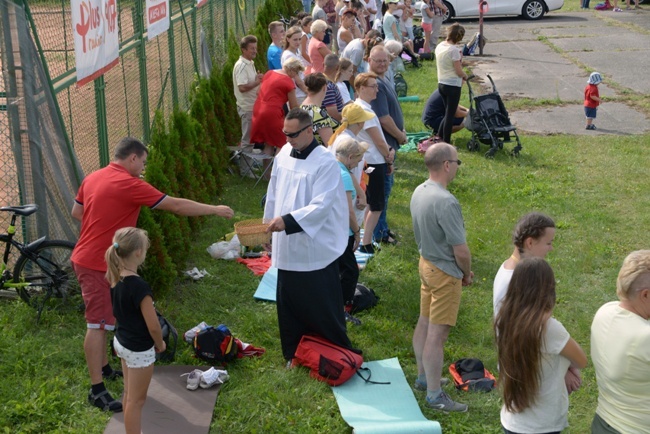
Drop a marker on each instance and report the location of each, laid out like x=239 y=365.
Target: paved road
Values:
x=551 y=59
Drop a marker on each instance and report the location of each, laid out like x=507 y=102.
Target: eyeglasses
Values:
x=455 y=161
x=379 y=61
x=297 y=133
x=374 y=86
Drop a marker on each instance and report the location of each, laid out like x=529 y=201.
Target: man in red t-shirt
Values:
x=110 y=199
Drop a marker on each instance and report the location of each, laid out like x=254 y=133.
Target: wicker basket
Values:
x=252 y=232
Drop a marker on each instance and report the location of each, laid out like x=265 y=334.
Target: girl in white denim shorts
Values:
x=138 y=336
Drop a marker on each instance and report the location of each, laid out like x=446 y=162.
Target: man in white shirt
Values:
x=246 y=83
x=307 y=211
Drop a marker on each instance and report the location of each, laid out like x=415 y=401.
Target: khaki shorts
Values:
x=439 y=294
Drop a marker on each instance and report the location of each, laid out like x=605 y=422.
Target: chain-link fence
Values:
x=152 y=75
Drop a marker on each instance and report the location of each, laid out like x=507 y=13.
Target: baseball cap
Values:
x=595 y=78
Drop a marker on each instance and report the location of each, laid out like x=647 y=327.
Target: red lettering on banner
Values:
x=111 y=15
x=89 y=19
x=157 y=13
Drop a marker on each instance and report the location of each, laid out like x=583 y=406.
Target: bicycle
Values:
x=43 y=270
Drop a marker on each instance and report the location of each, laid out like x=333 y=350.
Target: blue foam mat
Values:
x=267 y=288
x=382 y=408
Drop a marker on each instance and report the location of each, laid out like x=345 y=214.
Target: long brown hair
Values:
x=519 y=328
x=343 y=65
x=292 y=31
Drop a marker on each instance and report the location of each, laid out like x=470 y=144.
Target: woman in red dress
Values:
x=276 y=90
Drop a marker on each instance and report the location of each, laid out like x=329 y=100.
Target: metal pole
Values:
x=102 y=127
x=189 y=38
x=172 y=66
x=482 y=4
x=11 y=79
x=141 y=52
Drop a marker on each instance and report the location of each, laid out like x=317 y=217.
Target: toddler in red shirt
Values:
x=592 y=99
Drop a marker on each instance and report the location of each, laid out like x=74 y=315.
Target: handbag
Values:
x=425 y=144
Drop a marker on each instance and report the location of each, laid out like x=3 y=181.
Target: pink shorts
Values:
x=96 y=293
x=427 y=27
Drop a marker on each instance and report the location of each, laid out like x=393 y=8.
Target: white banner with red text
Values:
x=96 y=41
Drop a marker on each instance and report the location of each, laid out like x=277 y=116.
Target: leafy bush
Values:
x=188 y=152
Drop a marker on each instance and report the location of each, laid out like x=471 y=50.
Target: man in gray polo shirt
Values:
x=445 y=266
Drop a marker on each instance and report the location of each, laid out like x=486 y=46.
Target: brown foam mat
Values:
x=170 y=407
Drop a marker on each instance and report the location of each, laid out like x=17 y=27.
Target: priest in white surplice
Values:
x=307 y=209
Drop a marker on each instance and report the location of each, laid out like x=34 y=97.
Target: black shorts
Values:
x=375 y=189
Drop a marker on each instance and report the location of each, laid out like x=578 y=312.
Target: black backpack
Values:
x=170 y=336
x=364 y=298
x=400 y=84
x=215 y=344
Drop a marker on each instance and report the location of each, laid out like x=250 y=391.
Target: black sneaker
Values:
x=368 y=248
x=351 y=319
x=104 y=401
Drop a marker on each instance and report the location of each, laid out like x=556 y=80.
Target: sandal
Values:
x=389 y=240
x=104 y=401
x=114 y=375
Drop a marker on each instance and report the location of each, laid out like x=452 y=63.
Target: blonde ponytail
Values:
x=112 y=265
x=125 y=242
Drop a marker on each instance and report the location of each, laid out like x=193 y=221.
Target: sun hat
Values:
x=351 y=114
x=355 y=114
x=595 y=78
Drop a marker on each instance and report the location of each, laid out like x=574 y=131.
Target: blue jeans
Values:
x=306 y=4
x=381 y=230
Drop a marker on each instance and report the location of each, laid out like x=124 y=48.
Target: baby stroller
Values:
x=489 y=122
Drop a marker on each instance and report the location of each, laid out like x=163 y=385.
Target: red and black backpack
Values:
x=470 y=375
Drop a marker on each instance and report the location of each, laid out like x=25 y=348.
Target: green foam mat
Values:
x=382 y=408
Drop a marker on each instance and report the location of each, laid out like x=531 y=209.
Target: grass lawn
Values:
x=595 y=187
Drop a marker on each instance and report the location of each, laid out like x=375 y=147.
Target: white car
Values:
x=529 y=9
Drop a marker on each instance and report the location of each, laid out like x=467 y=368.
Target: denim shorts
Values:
x=135 y=359
x=590 y=112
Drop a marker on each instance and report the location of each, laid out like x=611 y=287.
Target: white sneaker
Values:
x=193 y=379
x=213 y=376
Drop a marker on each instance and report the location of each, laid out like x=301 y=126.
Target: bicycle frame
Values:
x=8 y=238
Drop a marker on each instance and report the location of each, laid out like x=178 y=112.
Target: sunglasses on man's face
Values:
x=297 y=133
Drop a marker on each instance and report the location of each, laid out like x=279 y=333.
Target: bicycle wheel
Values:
x=49 y=271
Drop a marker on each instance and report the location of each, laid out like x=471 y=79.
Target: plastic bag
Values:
x=225 y=249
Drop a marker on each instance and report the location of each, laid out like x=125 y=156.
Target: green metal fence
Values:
x=151 y=75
